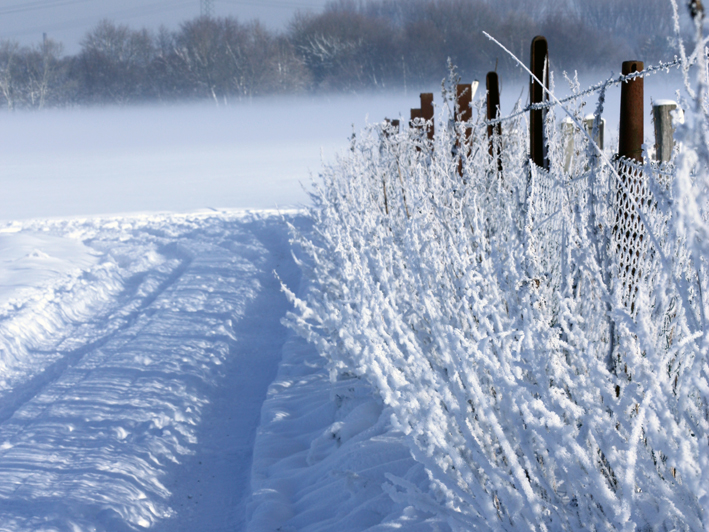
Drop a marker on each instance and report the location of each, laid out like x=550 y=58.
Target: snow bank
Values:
x=136 y=354
x=323 y=454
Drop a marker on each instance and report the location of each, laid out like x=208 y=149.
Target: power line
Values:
x=123 y=14
x=276 y=4
x=35 y=6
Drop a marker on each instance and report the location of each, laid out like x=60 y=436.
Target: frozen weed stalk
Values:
x=485 y=306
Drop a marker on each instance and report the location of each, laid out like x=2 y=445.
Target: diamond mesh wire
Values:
x=635 y=258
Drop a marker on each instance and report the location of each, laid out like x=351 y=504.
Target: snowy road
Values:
x=133 y=380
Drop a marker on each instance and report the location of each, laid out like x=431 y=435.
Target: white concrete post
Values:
x=664 y=129
x=588 y=124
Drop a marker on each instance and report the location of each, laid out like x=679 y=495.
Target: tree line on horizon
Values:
x=350 y=46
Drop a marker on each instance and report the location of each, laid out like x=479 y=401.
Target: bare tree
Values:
x=44 y=72
x=114 y=63
x=8 y=72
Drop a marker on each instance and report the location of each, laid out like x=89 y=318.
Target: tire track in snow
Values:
x=111 y=442
x=25 y=391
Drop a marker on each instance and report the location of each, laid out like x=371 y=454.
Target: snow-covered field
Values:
x=134 y=363
x=137 y=348
x=136 y=356
x=249 y=155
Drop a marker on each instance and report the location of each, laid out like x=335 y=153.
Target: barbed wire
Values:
x=654 y=69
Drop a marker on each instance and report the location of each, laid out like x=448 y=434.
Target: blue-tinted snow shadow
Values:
x=209 y=487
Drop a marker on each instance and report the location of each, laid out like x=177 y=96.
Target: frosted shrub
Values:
x=542 y=382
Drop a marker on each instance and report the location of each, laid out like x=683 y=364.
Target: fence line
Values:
x=610 y=82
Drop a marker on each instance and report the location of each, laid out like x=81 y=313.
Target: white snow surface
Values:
x=254 y=154
x=136 y=353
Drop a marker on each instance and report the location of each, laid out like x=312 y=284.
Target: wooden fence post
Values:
x=492 y=83
x=415 y=113
x=630 y=143
x=664 y=130
x=463 y=99
x=540 y=69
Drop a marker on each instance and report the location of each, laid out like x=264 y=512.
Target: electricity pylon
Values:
x=206 y=8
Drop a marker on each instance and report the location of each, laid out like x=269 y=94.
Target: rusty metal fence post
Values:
x=629 y=232
x=464 y=113
x=630 y=143
x=413 y=123
x=427 y=113
x=391 y=126
x=540 y=69
x=494 y=132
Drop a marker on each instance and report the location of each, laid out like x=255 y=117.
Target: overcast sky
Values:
x=69 y=20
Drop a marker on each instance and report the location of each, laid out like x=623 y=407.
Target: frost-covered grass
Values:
x=547 y=364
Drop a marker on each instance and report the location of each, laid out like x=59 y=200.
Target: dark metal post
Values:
x=629 y=232
x=493 y=112
x=540 y=69
x=464 y=97
x=416 y=113
x=630 y=144
x=391 y=126
x=427 y=111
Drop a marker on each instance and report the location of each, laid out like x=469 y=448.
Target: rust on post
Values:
x=631 y=133
x=427 y=112
x=540 y=69
x=493 y=112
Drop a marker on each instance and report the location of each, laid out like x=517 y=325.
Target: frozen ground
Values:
x=134 y=369
x=136 y=350
x=135 y=358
